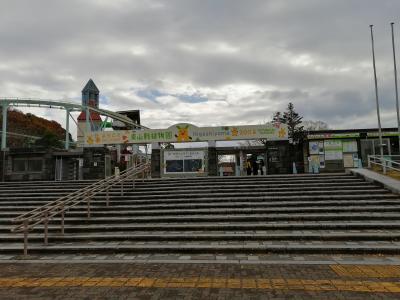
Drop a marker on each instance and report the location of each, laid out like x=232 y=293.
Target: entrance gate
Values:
x=187 y=133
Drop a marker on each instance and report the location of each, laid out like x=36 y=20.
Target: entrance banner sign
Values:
x=333 y=150
x=188 y=133
x=333 y=136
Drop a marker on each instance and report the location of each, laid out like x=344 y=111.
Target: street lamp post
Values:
x=376 y=94
x=395 y=84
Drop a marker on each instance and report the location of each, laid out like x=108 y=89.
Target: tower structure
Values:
x=90 y=97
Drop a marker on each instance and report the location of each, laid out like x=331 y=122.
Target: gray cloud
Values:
x=211 y=62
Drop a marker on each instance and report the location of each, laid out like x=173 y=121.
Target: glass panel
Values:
x=193 y=165
x=174 y=166
x=366 y=149
x=19 y=165
x=386 y=146
x=35 y=165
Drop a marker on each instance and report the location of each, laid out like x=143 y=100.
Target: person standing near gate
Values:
x=248 y=167
x=262 y=166
x=255 y=166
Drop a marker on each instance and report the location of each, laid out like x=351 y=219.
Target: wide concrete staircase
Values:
x=324 y=214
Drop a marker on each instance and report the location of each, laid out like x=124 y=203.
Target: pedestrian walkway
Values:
x=388 y=182
x=221 y=258
x=197 y=281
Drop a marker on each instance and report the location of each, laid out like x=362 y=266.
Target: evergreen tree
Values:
x=293 y=120
x=277 y=117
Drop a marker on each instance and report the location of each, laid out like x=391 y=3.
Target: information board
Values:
x=333 y=149
x=176 y=161
x=350 y=146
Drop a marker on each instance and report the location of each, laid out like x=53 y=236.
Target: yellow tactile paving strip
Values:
x=205 y=282
x=361 y=271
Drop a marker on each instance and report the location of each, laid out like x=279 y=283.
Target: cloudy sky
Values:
x=206 y=62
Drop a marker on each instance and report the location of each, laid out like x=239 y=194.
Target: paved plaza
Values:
x=291 y=277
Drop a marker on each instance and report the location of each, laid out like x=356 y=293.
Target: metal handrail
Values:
x=27 y=221
x=384 y=162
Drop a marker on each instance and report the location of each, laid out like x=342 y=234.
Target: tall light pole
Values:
x=376 y=94
x=395 y=84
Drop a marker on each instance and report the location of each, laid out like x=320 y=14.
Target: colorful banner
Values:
x=188 y=133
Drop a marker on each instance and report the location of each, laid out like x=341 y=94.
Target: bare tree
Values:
x=310 y=125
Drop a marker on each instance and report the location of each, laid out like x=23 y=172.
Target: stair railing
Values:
x=391 y=162
x=42 y=215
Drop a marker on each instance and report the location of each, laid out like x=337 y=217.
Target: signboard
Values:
x=188 y=133
x=183 y=161
x=313 y=147
x=350 y=146
x=376 y=134
x=332 y=135
x=348 y=161
x=333 y=149
x=316 y=147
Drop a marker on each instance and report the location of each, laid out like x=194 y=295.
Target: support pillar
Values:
x=118 y=153
x=4 y=127
x=85 y=129
x=212 y=159
x=241 y=163
x=155 y=160
x=67 y=130
x=87 y=119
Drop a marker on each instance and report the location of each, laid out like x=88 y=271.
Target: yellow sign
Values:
x=188 y=133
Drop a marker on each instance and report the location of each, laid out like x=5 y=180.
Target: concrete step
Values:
x=331 y=213
x=209 y=236
x=229 y=189
x=192 y=196
x=233 y=183
x=194 y=179
x=213 y=184
x=4 y=216
x=252 y=178
x=348 y=225
x=27 y=195
x=101 y=206
x=325 y=247
x=270 y=217
x=122 y=200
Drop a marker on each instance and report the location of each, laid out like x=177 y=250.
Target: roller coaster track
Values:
x=70 y=106
x=59 y=104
